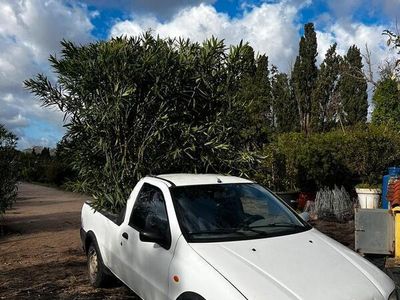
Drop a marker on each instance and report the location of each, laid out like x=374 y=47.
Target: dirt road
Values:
x=40 y=254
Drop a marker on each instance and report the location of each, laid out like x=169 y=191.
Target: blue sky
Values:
x=31 y=29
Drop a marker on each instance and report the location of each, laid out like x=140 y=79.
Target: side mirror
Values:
x=153 y=237
x=305 y=216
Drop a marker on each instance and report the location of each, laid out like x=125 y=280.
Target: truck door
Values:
x=144 y=265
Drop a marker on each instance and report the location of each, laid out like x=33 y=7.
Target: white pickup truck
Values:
x=185 y=236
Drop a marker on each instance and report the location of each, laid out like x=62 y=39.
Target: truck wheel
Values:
x=97 y=271
x=190 y=296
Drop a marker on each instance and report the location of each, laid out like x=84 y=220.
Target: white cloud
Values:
x=365 y=8
x=346 y=35
x=344 y=8
x=269 y=28
x=31 y=30
x=157 y=8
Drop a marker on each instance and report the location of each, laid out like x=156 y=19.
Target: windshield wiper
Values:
x=252 y=229
x=217 y=231
x=242 y=230
x=288 y=225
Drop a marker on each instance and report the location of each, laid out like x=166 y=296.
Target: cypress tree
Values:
x=325 y=91
x=264 y=105
x=247 y=60
x=255 y=96
x=387 y=103
x=304 y=75
x=284 y=103
x=353 y=88
x=45 y=154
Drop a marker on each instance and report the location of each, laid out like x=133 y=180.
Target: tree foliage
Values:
x=353 y=88
x=325 y=94
x=45 y=153
x=284 y=103
x=8 y=169
x=360 y=155
x=305 y=74
x=148 y=105
x=394 y=41
x=254 y=101
x=387 y=103
x=45 y=168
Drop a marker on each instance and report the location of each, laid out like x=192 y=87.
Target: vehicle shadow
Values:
x=65 y=278
x=52 y=222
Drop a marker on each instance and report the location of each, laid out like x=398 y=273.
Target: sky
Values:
x=31 y=30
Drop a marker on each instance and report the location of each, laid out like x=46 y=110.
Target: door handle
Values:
x=125 y=235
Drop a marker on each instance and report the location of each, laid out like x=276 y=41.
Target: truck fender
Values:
x=91 y=238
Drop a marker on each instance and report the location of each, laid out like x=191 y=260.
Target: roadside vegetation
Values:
x=44 y=168
x=8 y=169
x=361 y=154
x=146 y=105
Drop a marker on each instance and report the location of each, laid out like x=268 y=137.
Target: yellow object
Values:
x=396 y=212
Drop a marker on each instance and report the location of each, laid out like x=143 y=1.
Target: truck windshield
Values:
x=227 y=212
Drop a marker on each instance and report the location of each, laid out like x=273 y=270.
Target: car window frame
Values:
x=169 y=235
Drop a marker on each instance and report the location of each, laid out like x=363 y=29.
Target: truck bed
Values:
x=116 y=218
x=104 y=225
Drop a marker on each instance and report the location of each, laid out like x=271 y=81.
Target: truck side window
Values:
x=149 y=212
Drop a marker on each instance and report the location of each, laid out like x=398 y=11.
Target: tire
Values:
x=98 y=276
x=190 y=296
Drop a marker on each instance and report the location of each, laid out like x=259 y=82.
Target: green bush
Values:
x=148 y=105
x=361 y=154
x=8 y=169
x=387 y=102
x=45 y=169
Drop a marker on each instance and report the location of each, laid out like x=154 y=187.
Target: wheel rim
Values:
x=93 y=265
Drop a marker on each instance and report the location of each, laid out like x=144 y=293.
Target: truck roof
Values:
x=200 y=179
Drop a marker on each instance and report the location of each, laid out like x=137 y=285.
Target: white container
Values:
x=368 y=198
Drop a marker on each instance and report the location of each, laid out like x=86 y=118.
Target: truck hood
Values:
x=307 y=265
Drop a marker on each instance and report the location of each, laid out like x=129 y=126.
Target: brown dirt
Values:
x=40 y=251
x=41 y=255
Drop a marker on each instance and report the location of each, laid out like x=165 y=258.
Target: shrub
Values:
x=361 y=154
x=148 y=105
x=45 y=169
x=8 y=169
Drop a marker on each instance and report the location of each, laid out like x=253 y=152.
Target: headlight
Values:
x=393 y=295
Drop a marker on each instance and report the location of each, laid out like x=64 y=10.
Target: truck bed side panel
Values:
x=103 y=228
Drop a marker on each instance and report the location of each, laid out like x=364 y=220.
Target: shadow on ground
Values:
x=64 y=279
